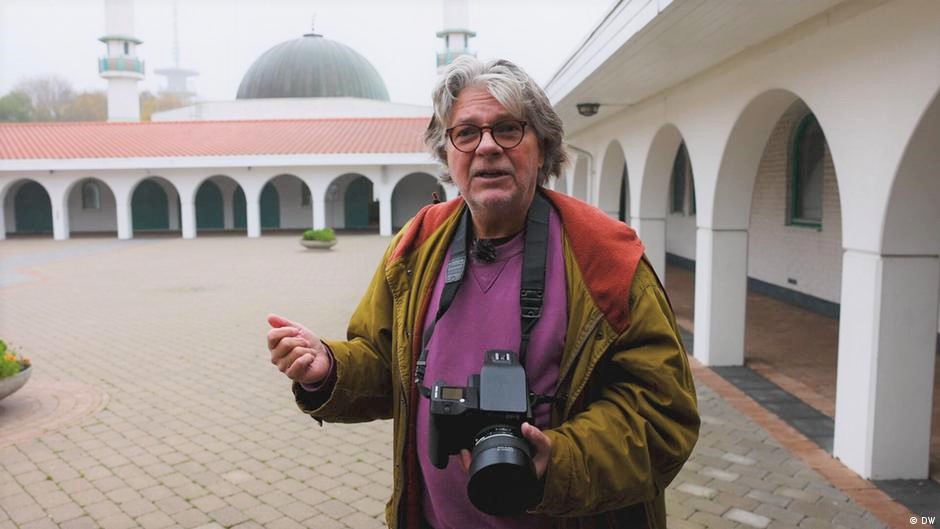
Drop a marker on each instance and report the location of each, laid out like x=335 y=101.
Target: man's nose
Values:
x=488 y=143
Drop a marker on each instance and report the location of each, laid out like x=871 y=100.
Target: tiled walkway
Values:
x=153 y=403
x=793 y=347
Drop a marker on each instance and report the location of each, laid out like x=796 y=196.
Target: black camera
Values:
x=486 y=416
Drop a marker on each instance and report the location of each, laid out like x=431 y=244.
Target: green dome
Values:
x=312 y=66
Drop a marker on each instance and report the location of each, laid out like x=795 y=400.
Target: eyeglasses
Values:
x=507 y=134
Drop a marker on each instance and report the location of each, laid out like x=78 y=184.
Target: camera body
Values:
x=486 y=416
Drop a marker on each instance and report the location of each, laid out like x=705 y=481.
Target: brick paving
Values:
x=153 y=403
x=792 y=347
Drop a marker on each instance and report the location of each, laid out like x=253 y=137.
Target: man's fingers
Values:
x=275 y=335
x=539 y=440
x=465 y=460
x=279 y=321
x=286 y=347
x=299 y=366
x=285 y=363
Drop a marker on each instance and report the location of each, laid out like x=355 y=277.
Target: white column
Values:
x=60 y=220
x=653 y=234
x=188 y=217
x=887 y=343
x=253 y=216
x=3 y=222
x=385 y=213
x=720 y=296
x=123 y=212
x=319 y=211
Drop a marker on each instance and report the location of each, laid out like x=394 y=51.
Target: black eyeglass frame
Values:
x=450 y=136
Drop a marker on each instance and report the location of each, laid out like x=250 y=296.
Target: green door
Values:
x=209 y=213
x=357 y=202
x=238 y=209
x=33 y=209
x=149 y=207
x=270 y=207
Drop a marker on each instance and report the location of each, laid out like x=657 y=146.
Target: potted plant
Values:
x=324 y=238
x=14 y=370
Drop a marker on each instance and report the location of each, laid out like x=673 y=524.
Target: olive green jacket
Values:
x=626 y=418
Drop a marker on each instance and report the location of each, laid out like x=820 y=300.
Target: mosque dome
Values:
x=312 y=66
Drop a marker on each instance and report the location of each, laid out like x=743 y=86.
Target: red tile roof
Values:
x=211 y=138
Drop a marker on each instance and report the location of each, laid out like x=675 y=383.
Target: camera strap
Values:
x=532 y=285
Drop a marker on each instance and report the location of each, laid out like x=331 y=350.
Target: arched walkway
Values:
x=579 y=187
x=350 y=202
x=155 y=206
x=270 y=205
x=907 y=275
x=614 y=187
x=794 y=256
x=650 y=218
x=91 y=207
x=32 y=209
x=412 y=193
x=210 y=208
x=357 y=204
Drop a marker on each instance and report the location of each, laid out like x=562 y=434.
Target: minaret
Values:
x=456 y=36
x=177 y=78
x=120 y=66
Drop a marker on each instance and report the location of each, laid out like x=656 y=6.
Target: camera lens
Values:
x=502 y=476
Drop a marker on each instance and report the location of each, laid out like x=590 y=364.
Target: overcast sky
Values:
x=222 y=38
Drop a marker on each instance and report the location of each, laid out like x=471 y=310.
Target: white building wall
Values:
x=680 y=235
x=92 y=220
x=410 y=195
x=294 y=215
x=780 y=254
x=335 y=205
x=726 y=115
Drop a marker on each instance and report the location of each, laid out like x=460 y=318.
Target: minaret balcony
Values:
x=446 y=57
x=121 y=67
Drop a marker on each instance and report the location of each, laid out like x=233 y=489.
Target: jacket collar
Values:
x=606 y=251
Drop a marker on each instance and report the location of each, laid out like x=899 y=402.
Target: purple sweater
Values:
x=485 y=315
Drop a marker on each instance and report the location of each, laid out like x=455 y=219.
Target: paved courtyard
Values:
x=153 y=404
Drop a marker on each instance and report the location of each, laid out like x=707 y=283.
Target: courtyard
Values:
x=153 y=403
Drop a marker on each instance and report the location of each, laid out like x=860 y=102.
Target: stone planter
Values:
x=323 y=245
x=10 y=385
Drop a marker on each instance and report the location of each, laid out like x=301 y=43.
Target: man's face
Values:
x=500 y=181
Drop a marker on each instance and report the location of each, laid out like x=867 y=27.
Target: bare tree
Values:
x=87 y=106
x=150 y=103
x=16 y=106
x=49 y=95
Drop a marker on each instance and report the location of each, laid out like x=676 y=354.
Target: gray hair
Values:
x=512 y=88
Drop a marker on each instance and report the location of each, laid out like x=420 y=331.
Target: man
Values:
x=620 y=416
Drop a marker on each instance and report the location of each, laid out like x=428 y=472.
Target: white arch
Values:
x=7 y=193
x=411 y=193
x=885 y=376
x=108 y=199
x=613 y=184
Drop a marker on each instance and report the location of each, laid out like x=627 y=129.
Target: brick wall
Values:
x=780 y=254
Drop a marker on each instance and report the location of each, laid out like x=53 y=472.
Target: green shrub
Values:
x=10 y=362
x=326 y=234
